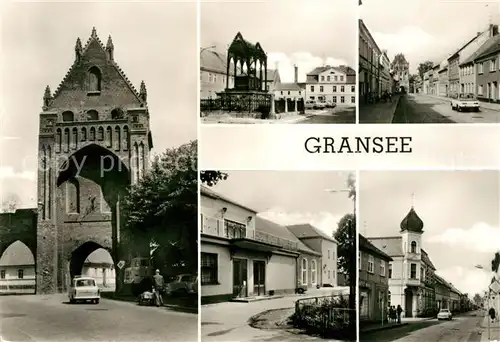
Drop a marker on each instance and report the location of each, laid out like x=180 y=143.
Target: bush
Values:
x=325 y=316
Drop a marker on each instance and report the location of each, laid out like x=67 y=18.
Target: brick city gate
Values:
x=94 y=141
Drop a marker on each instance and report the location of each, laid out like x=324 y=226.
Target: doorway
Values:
x=259 y=278
x=240 y=278
x=408 y=303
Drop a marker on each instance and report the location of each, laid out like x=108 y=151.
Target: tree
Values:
x=424 y=67
x=211 y=178
x=495 y=263
x=477 y=299
x=10 y=203
x=346 y=254
x=162 y=208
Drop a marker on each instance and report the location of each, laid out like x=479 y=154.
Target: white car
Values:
x=465 y=102
x=182 y=284
x=84 y=289
x=444 y=314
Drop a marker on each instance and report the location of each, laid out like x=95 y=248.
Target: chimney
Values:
x=493 y=30
x=296 y=74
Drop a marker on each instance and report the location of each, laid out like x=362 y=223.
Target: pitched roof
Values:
x=305 y=231
x=390 y=245
x=342 y=68
x=465 y=45
x=281 y=232
x=427 y=259
x=214 y=61
x=487 y=44
x=367 y=246
x=17 y=254
x=288 y=86
x=442 y=281
x=93 y=41
x=493 y=46
x=204 y=190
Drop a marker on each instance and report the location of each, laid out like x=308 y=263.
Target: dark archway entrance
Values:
x=79 y=255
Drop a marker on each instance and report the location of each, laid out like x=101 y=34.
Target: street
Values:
x=416 y=108
x=464 y=328
x=51 y=318
x=331 y=116
x=229 y=321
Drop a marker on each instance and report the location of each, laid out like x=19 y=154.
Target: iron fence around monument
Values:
x=239 y=102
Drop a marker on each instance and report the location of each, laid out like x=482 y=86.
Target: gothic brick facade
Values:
x=94 y=141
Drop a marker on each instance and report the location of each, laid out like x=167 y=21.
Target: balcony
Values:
x=413 y=282
x=233 y=231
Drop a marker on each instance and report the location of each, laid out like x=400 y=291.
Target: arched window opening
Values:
x=92 y=115
x=304 y=271
x=58 y=140
x=100 y=134
x=66 y=140
x=92 y=134
x=74 y=140
x=117 y=113
x=126 y=144
x=68 y=116
x=109 y=137
x=72 y=196
x=84 y=134
x=413 y=247
x=94 y=79
x=117 y=138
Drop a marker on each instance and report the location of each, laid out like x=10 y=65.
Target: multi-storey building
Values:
x=443 y=83
x=487 y=69
x=374 y=292
x=213 y=69
x=411 y=273
x=324 y=245
x=243 y=255
x=369 y=64
x=385 y=73
x=290 y=90
x=333 y=84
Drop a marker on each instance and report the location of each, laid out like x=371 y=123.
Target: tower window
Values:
x=117 y=113
x=92 y=115
x=413 y=247
x=94 y=79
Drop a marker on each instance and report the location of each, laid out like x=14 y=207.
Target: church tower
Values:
x=94 y=142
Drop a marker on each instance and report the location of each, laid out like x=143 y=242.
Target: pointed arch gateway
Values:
x=17 y=269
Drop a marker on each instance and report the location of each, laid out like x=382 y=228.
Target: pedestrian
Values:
x=399 y=310
x=389 y=313
x=158 y=284
x=393 y=314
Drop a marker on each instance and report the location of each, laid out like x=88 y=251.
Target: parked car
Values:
x=310 y=104
x=320 y=105
x=465 y=102
x=330 y=104
x=182 y=284
x=84 y=289
x=444 y=314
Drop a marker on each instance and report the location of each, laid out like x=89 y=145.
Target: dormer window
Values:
x=68 y=116
x=413 y=247
x=94 y=80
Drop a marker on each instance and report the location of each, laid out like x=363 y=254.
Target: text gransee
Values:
x=358 y=145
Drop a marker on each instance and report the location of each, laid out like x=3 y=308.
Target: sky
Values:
x=154 y=42
x=423 y=29
x=291 y=197
x=306 y=33
x=460 y=211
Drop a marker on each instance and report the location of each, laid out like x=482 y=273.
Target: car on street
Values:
x=444 y=314
x=182 y=284
x=320 y=105
x=330 y=104
x=465 y=102
x=310 y=104
x=83 y=289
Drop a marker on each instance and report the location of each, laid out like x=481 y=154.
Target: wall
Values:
x=329 y=258
x=374 y=287
x=486 y=77
x=280 y=274
x=213 y=82
x=309 y=259
x=101 y=273
x=224 y=272
x=13 y=285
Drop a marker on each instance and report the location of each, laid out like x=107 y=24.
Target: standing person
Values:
x=399 y=310
x=158 y=284
x=389 y=314
x=393 y=314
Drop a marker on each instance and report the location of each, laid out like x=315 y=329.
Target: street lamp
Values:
x=352 y=265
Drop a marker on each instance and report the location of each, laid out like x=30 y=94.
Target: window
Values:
x=2 y=274
x=94 y=79
x=328 y=78
x=84 y=134
x=413 y=271
x=320 y=89
x=334 y=99
x=335 y=78
x=209 y=269
x=353 y=99
x=492 y=65
x=304 y=271
x=312 y=89
x=281 y=92
x=289 y=92
x=413 y=247
x=117 y=113
x=314 y=280
x=328 y=254
x=329 y=274
x=341 y=78
x=68 y=116
x=390 y=271
x=371 y=264
x=20 y=274
x=100 y=134
x=480 y=68
x=342 y=99
x=342 y=89
x=382 y=268
x=234 y=230
x=92 y=115
x=334 y=89
x=352 y=89
x=322 y=78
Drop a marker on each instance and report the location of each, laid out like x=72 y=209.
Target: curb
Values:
x=394 y=326
x=186 y=309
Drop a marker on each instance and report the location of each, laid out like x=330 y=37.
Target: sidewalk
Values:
x=382 y=112
x=404 y=321
x=187 y=305
x=281 y=118
x=494 y=330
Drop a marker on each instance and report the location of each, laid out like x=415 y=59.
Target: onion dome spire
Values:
x=412 y=222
